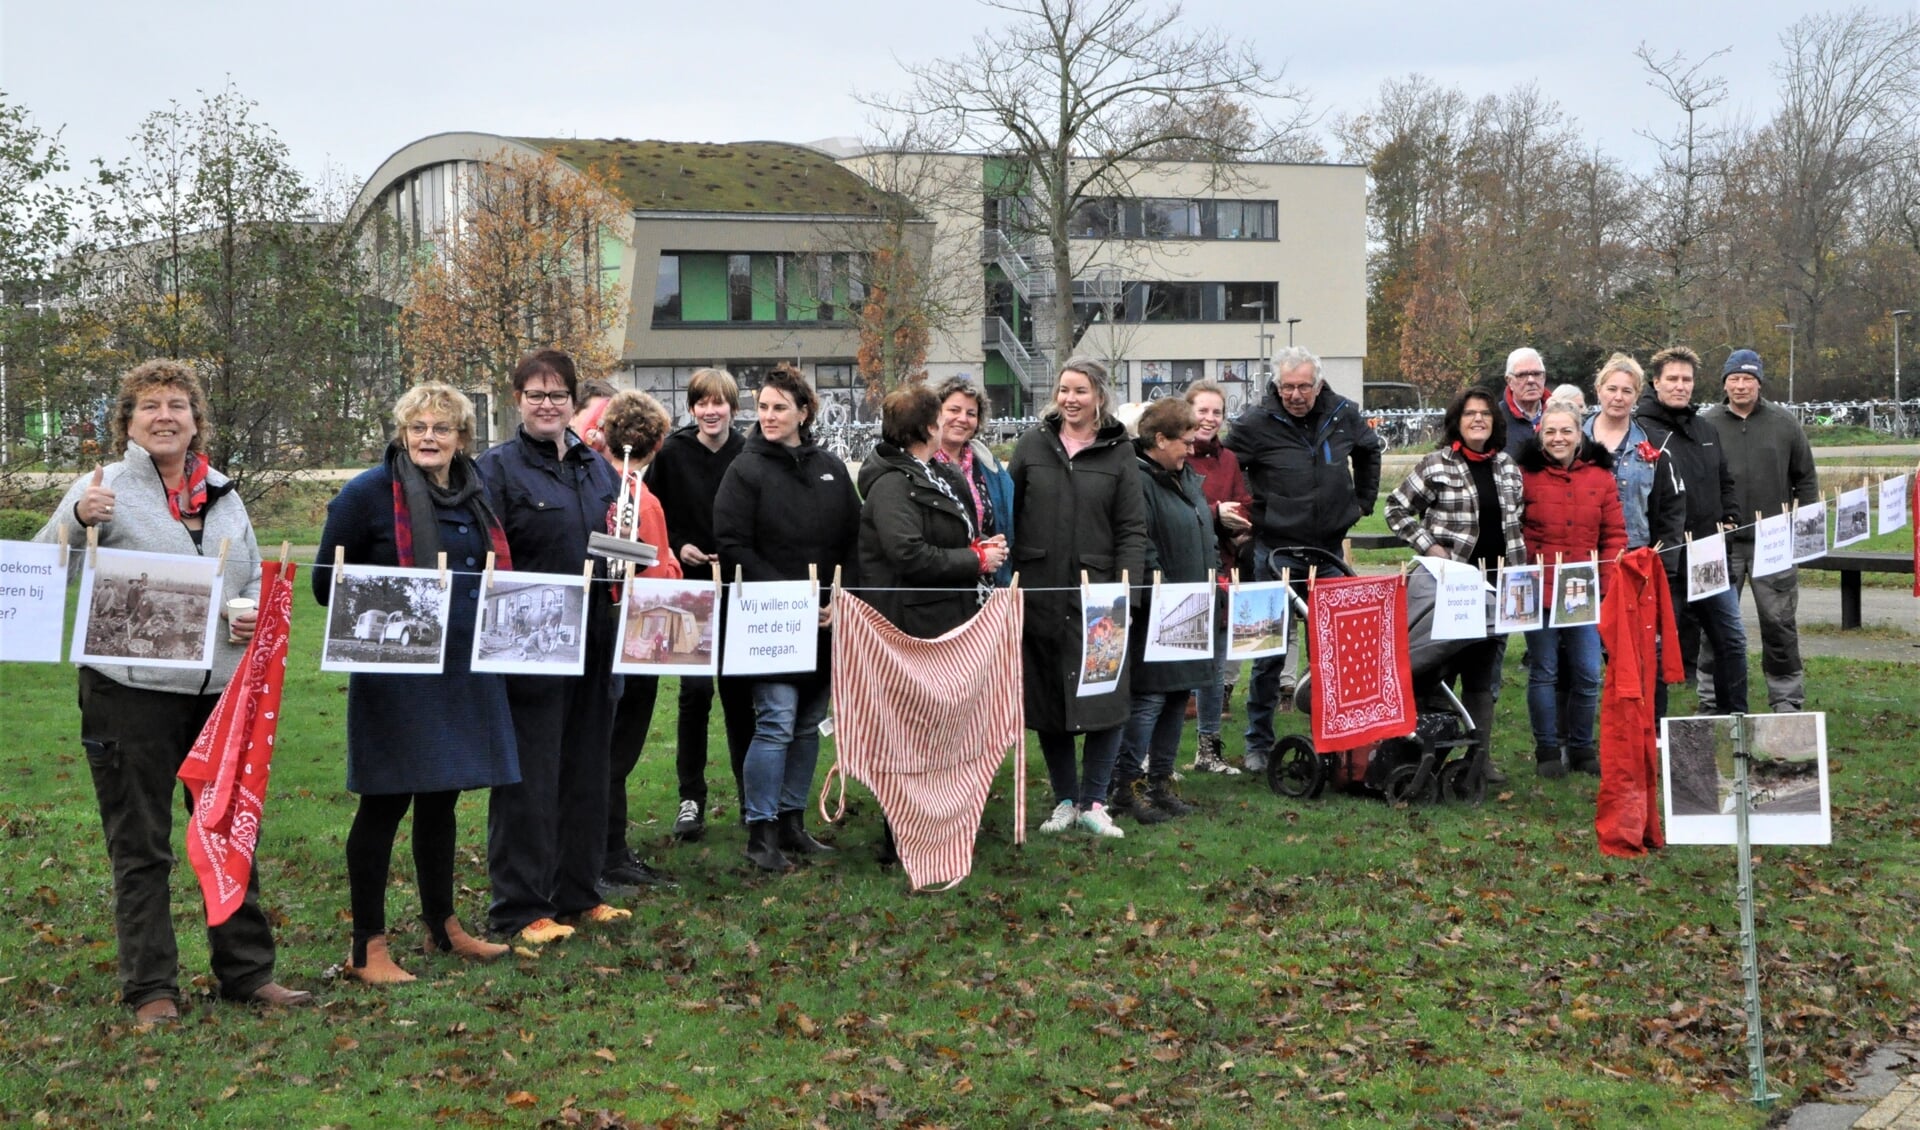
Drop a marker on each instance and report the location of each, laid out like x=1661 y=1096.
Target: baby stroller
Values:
x=1435 y=762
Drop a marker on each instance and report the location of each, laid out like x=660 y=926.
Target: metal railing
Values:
x=1032 y=281
x=1033 y=367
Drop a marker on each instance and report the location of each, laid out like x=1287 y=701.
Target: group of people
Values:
x=934 y=525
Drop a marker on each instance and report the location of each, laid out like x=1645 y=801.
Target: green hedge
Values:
x=20 y=525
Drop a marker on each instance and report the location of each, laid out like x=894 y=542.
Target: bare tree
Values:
x=1850 y=93
x=1681 y=196
x=1064 y=91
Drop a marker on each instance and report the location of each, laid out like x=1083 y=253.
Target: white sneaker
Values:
x=1061 y=818
x=1096 y=820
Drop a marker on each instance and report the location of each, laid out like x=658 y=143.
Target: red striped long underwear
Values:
x=925 y=724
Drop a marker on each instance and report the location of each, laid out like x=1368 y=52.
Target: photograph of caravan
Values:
x=667 y=628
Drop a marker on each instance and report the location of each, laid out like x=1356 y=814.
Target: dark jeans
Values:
x=1150 y=741
x=135 y=741
x=1718 y=619
x=1084 y=784
x=370 y=857
x=631 y=721
x=1569 y=656
x=696 y=706
x=1776 y=601
x=547 y=835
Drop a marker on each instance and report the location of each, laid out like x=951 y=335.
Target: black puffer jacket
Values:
x=1313 y=477
x=916 y=548
x=1073 y=514
x=1692 y=487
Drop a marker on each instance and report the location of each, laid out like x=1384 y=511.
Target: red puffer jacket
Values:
x=1573 y=512
x=1221 y=481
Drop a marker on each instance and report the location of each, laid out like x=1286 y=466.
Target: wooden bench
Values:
x=1851 y=566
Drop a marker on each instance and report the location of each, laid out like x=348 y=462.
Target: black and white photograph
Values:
x=532 y=624
x=1707 y=567
x=1576 y=595
x=1516 y=606
x=1809 y=532
x=1789 y=801
x=1257 y=614
x=1851 y=519
x=1179 y=623
x=667 y=628
x=1103 y=652
x=393 y=621
x=147 y=609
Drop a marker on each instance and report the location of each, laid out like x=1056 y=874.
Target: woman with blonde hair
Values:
x=418 y=741
x=1617 y=387
x=163 y=496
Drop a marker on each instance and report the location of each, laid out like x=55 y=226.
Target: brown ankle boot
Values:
x=379 y=968
x=461 y=944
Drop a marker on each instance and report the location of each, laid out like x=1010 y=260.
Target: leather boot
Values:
x=375 y=966
x=1584 y=759
x=449 y=937
x=1549 y=763
x=1140 y=805
x=1166 y=797
x=794 y=839
x=1480 y=708
x=763 y=846
x=889 y=853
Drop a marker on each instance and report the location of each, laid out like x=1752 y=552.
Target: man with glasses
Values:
x=1526 y=396
x=546 y=836
x=1313 y=466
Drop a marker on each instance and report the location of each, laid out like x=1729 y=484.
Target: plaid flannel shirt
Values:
x=1437 y=504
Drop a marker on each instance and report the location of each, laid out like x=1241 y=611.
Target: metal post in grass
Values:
x=1749 y=942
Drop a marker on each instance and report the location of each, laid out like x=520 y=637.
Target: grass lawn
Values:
x=1266 y=962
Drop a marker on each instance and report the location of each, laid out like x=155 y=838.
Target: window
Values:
x=1095 y=219
x=1144 y=301
x=1242 y=297
x=764 y=288
x=1169 y=219
x=666 y=291
x=740 y=288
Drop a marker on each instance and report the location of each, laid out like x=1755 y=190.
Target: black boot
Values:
x=1120 y=797
x=1166 y=797
x=889 y=853
x=1480 y=709
x=1585 y=759
x=1140 y=805
x=763 y=847
x=794 y=839
x=1549 y=763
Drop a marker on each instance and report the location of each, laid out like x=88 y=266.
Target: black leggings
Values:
x=370 y=855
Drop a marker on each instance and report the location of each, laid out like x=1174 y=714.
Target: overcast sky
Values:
x=345 y=84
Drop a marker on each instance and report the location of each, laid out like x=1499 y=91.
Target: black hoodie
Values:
x=685 y=477
x=1692 y=488
x=781 y=509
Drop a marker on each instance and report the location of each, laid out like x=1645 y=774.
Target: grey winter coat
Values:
x=1073 y=514
x=1770 y=461
x=142 y=521
x=1181 y=548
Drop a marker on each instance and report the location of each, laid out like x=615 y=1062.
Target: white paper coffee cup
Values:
x=235 y=607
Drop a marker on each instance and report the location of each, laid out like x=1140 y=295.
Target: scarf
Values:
x=1533 y=418
x=983 y=585
x=191 y=497
x=970 y=474
x=1471 y=455
x=414 y=492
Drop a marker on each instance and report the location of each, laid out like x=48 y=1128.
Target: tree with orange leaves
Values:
x=531 y=263
x=893 y=322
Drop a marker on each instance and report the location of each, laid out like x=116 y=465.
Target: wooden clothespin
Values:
x=286 y=553
x=1313 y=577
x=1593 y=558
x=1013 y=582
x=339 y=564
x=586 y=571
x=1407 y=566
x=1236 y=576
x=713 y=563
x=443 y=569
x=1156 y=584
x=813 y=578
x=60 y=533
x=1559 y=558
x=1084 y=582
x=220 y=568
x=1286 y=575
x=739 y=575
x=1346 y=551
x=486 y=578
x=1124 y=583
x=835 y=591
x=93 y=547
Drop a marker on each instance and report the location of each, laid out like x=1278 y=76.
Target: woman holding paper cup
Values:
x=1231 y=501
x=1462 y=503
x=138 y=723
x=787 y=511
x=1571 y=513
x=417 y=741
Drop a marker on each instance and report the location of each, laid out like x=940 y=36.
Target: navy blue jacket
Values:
x=549 y=502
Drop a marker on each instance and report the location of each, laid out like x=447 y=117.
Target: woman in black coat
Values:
x=784 y=506
x=1181 y=549
x=1077 y=504
x=418 y=740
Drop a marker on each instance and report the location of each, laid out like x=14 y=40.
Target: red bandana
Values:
x=1362 y=676
x=227 y=769
x=1471 y=455
x=191 y=497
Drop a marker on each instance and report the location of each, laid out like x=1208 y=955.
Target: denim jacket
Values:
x=1635 y=476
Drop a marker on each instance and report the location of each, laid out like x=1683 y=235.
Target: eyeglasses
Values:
x=1528 y=374
x=437 y=431
x=533 y=396
x=1476 y=414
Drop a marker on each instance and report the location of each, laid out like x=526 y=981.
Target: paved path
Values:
x=1884 y=1096
x=1892 y=609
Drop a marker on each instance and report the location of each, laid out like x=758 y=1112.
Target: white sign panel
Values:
x=1460 y=599
x=773 y=628
x=1773 y=545
x=33 y=601
x=1893 y=503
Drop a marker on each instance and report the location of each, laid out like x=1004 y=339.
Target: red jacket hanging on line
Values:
x=1636 y=614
